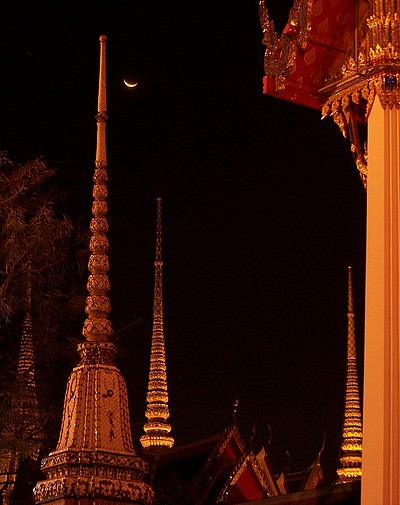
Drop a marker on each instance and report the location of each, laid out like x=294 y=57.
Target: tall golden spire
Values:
x=94 y=459
x=157 y=429
x=351 y=447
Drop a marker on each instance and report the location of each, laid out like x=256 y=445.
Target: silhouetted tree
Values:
x=39 y=244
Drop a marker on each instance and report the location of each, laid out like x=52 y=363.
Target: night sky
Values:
x=263 y=208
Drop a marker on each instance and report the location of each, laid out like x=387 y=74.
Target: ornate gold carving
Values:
x=341 y=106
x=280 y=52
x=89 y=486
x=361 y=164
x=376 y=72
x=157 y=412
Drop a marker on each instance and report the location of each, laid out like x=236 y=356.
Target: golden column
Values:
x=157 y=429
x=351 y=446
x=94 y=462
x=373 y=81
x=381 y=454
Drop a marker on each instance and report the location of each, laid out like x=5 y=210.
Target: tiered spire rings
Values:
x=352 y=428
x=157 y=429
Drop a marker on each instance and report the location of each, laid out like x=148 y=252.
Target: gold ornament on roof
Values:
x=280 y=53
x=374 y=73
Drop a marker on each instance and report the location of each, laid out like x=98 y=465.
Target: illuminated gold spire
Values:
x=94 y=459
x=157 y=430
x=97 y=327
x=351 y=447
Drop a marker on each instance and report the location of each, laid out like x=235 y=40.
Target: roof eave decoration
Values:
x=230 y=434
x=280 y=51
x=253 y=484
x=372 y=70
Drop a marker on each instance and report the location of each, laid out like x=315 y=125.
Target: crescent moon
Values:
x=129 y=84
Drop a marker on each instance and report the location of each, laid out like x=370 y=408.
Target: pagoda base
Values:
x=95 y=479
x=86 y=501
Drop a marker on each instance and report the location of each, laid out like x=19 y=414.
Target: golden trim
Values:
x=280 y=52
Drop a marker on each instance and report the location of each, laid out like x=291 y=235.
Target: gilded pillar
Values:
x=381 y=447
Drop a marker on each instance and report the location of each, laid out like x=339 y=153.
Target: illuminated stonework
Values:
x=351 y=447
x=94 y=461
x=157 y=430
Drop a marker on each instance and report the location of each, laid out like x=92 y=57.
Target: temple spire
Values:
x=97 y=326
x=157 y=429
x=27 y=402
x=351 y=447
x=23 y=422
x=94 y=459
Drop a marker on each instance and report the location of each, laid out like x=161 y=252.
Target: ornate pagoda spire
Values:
x=26 y=364
x=24 y=421
x=157 y=429
x=351 y=447
x=94 y=461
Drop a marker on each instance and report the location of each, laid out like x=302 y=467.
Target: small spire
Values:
x=157 y=430
x=27 y=402
x=351 y=447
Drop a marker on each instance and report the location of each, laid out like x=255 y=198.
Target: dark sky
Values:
x=262 y=207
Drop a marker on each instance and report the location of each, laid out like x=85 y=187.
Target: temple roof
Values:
x=224 y=468
x=310 y=51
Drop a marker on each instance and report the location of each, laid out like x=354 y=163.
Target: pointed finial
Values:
x=349 y=290
x=351 y=447
x=235 y=407
x=157 y=429
x=97 y=327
